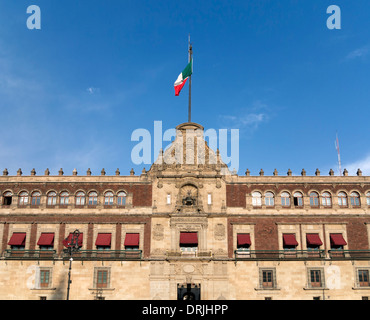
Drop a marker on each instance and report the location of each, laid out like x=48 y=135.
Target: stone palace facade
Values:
x=185 y=231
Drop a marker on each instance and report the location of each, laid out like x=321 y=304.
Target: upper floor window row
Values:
x=325 y=200
x=65 y=198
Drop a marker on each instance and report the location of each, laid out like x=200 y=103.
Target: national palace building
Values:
x=184 y=231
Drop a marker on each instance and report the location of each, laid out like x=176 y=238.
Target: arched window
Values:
x=298 y=199
x=285 y=199
x=108 y=198
x=23 y=198
x=269 y=199
x=93 y=198
x=314 y=199
x=80 y=198
x=342 y=199
x=52 y=198
x=121 y=198
x=256 y=199
x=35 y=198
x=64 y=198
x=368 y=198
x=7 y=198
x=326 y=199
x=355 y=199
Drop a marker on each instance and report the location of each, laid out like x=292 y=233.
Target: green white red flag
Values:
x=183 y=77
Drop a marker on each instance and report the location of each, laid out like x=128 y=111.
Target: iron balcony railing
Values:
x=30 y=254
x=79 y=255
x=278 y=254
x=349 y=254
x=300 y=254
x=104 y=255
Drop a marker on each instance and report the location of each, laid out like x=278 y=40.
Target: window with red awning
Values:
x=188 y=238
x=18 y=239
x=243 y=240
x=132 y=240
x=46 y=239
x=337 y=240
x=103 y=239
x=289 y=240
x=313 y=239
x=67 y=241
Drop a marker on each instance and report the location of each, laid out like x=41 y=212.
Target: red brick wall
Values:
x=266 y=230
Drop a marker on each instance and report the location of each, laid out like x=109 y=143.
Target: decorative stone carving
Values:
x=219 y=232
x=158 y=232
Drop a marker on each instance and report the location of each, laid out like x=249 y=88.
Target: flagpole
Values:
x=190 y=57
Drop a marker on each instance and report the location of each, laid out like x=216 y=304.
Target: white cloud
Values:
x=359 y=53
x=362 y=164
x=249 y=119
x=93 y=90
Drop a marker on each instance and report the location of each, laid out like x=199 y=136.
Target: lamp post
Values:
x=72 y=247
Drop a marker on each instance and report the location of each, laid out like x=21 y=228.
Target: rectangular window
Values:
x=363 y=278
x=209 y=198
x=45 y=278
x=315 y=278
x=267 y=278
x=102 y=278
x=168 y=199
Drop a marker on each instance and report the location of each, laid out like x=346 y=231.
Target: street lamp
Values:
x=72 y=246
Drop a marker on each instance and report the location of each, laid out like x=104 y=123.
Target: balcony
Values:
x=278 y=254
x=104 y=255
x=301 y=255
x=12 y=254
x=30 y=254
x=349 y=254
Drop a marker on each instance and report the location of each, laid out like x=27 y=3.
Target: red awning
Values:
x=289 y=240
x=66 y=242
x=46 y=239
x=103 y=239
x=313 y=239
x=132 y=239
x=18 y=239
x=188 y=238
x=337 y=239
x=244 y=239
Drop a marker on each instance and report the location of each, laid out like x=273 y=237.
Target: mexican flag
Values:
x=183 y=77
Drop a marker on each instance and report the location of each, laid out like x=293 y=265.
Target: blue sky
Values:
x=72 y=93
